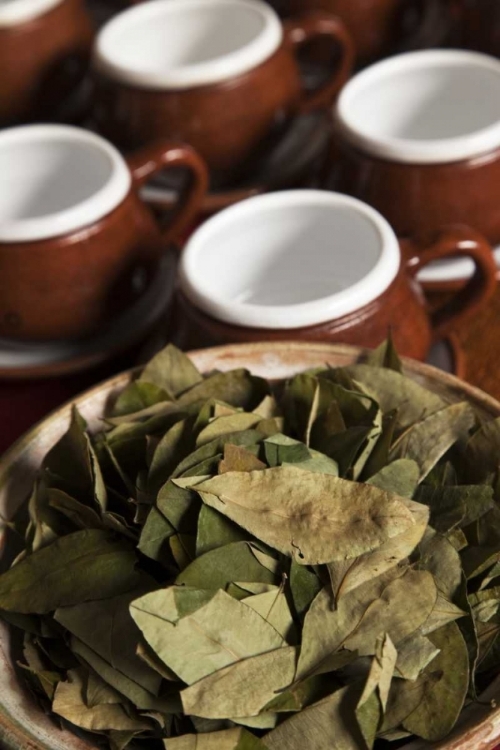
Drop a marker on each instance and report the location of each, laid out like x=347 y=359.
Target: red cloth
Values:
x=23 y=403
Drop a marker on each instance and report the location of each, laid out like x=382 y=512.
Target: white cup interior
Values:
x=55 y=179
x=13 y=12
x=178 y=43
x=291 y=259
x=432 y=105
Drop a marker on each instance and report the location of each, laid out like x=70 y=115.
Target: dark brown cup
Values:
x=443 y=166
x=228 y=115
x=210 y=305
x=44 y=53
x=74 y=253
x=379 y=27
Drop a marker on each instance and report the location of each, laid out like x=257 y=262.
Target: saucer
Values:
x=24 y=359
x=444 y=275
x=296 y=159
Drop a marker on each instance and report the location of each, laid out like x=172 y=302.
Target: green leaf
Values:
x=214 y=530
x=314 y=518
x=142 y=699
x=180 y=506
x=442 y=702
x=304 y=693
x=229 y=564
x=171 y=449
x=273 y=607
x=214 y=449
x=238 y=458
x=138 y=396
x=414 y=654
x=243 y=688
x=281 y=449
x=205 y=640
x=394 y=391
x=455 y=507
x=329 y=724
x=441 y=559
x=73 y=466
x=154 y=537
x=373 y=701
x=404 y=697
x=69 y=703
x=108 y=629
x=237 y=387
x=346 y=575
x=483 y=452
x=400 y=477
x=172 y=371
x=381 y=605
x=304 y=586
x=78 y=567
x=385 y=356
x=428 y=440
x=226 y=425
x=414 y=592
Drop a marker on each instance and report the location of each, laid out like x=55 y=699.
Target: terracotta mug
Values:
x=77 y=244
x=221 y=75
x=318 y=266
x=418 y=138
x=44 y=52
x=379 y=27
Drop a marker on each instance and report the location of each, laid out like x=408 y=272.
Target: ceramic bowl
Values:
x=23 y=726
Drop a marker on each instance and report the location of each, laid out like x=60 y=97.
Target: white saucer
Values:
x=455 y=269
x=22 y=359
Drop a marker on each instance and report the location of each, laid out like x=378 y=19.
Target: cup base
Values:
x=35 y=359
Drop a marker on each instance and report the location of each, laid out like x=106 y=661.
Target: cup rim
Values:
x=413 y=151
x=218 y=70
x=84 y=213
x=300 y=315
x=22 y=11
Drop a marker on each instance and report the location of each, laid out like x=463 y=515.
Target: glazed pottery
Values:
x=23 y=725
x=44 y=51
x=221 y=75
x=74 y=252
x=311 y=265
x=378 y=27
x=418 y=138
x=297 y=158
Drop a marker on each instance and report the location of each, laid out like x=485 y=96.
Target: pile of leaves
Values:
x=237 y=565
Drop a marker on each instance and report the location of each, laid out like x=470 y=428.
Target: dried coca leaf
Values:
x=231 y=564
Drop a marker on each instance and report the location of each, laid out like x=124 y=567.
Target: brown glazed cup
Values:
x=221 y=75
x=44 y=53
x=379 y=27
x=418 y=138
x=317 y=266
x=74 y=252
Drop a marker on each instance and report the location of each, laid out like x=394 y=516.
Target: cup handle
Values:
x=159 y=156
x=300 y=31
x=452 y=242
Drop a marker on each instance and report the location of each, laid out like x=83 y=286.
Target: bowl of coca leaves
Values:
x=258 y=547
